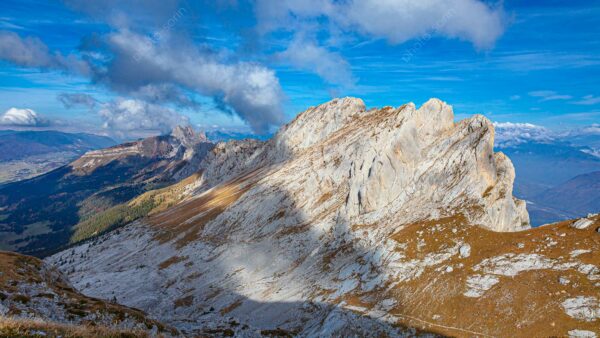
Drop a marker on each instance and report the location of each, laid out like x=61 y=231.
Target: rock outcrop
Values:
x=181 y=146
x=348 y=222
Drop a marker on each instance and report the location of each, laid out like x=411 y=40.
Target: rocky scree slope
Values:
x=350 y=222
x=37 y=300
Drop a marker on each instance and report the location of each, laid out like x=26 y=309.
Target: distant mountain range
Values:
x=84 y=198
x=16 y=145
x=555 y=173
x=25 y=154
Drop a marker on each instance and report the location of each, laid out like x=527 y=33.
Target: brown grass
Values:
x=170 y=261
x=184 y=302
x=190 y=217
x=526 y=305
x=17 y=328
x=230 y=307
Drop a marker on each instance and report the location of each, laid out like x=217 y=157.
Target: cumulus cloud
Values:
x=22 y=118
x=165 y=93
x=549 y=95
x=395 y=21
x=125 y=117
x=157 y=63
x=251 y=90
x=32 y=52
x=510 y=134
x=402 y=20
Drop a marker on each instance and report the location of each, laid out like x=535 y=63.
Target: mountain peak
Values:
x=186 y=135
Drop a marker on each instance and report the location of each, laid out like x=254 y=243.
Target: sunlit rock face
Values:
x=348 y=221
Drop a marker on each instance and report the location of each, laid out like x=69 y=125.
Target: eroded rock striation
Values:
x=347 y=222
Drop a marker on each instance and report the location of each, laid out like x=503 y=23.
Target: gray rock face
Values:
x=386 y=162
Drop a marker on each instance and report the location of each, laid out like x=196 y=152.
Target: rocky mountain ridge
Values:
x=391 y=221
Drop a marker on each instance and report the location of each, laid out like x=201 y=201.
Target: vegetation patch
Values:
x=119 y=215
x=173 y=260
x=184 y=302
x=230 y=307
x=17 y=328
x=21 y=299
x=277 y=333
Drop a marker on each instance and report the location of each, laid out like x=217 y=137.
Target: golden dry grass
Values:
x=17 y=328
x=526 y=305
x=190 y=217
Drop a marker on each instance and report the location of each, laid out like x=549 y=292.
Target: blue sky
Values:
x=131 y=67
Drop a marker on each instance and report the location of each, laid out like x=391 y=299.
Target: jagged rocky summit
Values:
x=350 y=222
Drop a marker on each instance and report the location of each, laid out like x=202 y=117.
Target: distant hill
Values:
x=540 y=166
x=24 y=154
x=555 y=178
x=578 y=196
x=16 y=145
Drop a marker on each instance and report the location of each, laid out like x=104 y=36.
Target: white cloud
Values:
x=306 y=54
x=403 y=20
x=510 y=134
x=395 y=20
x=124 y=117
x=22 y=118
x=549 y=95
x=588 y=100
x=251 y=90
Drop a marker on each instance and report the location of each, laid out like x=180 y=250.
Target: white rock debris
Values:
x=478 y=284
x=579 y=252
x=582 y=308
x=563 y=280
x=582 y=334
x=465 y=251
x=582 y=223
x=512 y=264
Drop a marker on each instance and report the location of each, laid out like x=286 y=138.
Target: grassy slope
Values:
x=17 y=328
x=146 y=204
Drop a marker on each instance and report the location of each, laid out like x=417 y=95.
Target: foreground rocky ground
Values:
x=36 y=300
